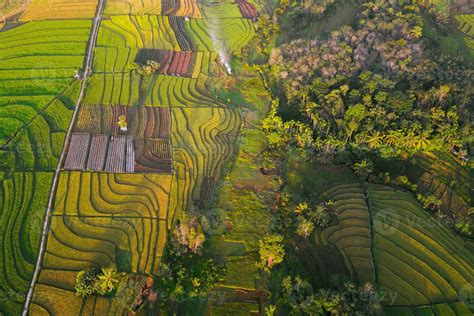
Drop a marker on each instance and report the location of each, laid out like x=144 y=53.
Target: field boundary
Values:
x=372 y=232
x=48 y=216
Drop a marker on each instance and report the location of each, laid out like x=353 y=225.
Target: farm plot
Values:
x=202 y=141
x=224 y=10
x=78 y=243
x=114 y=59
x=456 y=308
x=59 y=9
x=466 y=23
x=118 y=154
x=228 y=35
x=50 y=300
x=132 y=7
x=438 y=172
x=37 y=64
x=120 y=195
x=144 y=121
x=181 y=64
x=138 y=31
x=128 y=89
x=37 y=142
x=98 y=145
x=248 y=10
x=352 y=232
x=101 y=220
x=184 y=8
x=416 y=256
x=23 y=199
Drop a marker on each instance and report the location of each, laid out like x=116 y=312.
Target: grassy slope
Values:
x=242 y=198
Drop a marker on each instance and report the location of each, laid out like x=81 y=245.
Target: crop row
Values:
x=416 y=257
x=466 y=22
x=165 y=91
x=59 y=9
x=114 y=59
x=132 y=7
x=228 y=35
x=352 y=233
x=455 y=308
x=202 y=141
x=183 y=8
x=36 y=140
x=118 y=154
x=23 y=199
x=145 y=31
x=143 y=121
x=121 y=195
x=184 y=41
x=248 y=10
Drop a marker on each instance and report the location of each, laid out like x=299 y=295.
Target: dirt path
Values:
x=47 y=221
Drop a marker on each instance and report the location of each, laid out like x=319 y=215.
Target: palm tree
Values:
x=416 y=32
x=305 y=228
x=422 y=140
x=374 y=141
x=108 y=279
x=410 y=140
x=302 y=208
x=363 y=168
x=393 y=138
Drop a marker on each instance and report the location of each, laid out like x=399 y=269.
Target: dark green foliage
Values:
x=299 y=295
x=372 y=88
x=186 y=276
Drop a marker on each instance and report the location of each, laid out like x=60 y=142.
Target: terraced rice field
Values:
x=139 y=31
x=202 y=154
x=227 y=35
x=184 y=8
x=132 y=7
x=37 y=90
x=388 y=239
x=466 y=23
x=416 y=256
x=352 y=234
x=97 y=144
x=164 y=91
x=59 y=9
x=118 y=193
x=23 y=198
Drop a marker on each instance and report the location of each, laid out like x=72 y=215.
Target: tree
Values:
x=363 y=168
x=188 y=233
x=271 y=251
x=305 y=228
x=107 y=280
x=86 y=282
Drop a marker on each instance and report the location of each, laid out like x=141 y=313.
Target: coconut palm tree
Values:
x=374 y=141
x=422 y=140
x=393 y=138
x=363 y=168
x=108 y=279
x=410 y=140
